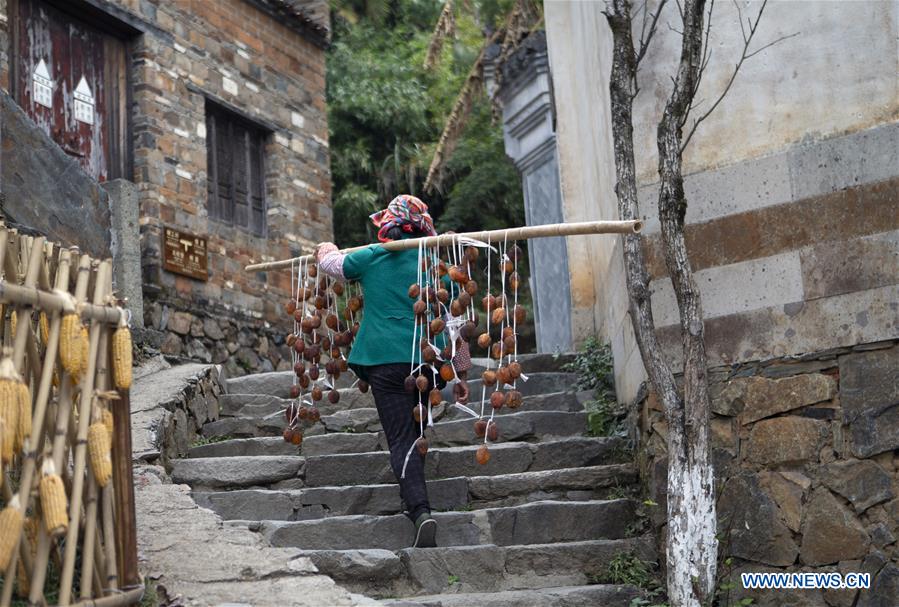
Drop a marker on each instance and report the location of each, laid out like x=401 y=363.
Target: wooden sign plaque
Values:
x=185 y=254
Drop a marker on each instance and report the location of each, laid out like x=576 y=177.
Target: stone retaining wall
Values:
x=169 y=406
x=240 y=343
x=806 y=452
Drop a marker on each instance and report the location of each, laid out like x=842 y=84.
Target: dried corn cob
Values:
x=53 y=501
x=45 y=328
x=108 y=421
x=98 y=446
x=23 y=582
x=23 y=425
x=11 y=520
x=85 y=348
x=121 y=357
x=70 y=346
x=31 y=527
x=9 y=408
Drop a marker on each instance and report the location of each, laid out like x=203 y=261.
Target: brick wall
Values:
x=272 y=71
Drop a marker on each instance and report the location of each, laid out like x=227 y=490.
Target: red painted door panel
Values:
x=72 y=50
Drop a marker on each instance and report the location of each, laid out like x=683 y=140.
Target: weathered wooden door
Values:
x=70 y=78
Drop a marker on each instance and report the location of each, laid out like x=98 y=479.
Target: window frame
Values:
x=252 y=148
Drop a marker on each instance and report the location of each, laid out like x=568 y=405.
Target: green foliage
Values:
x=628 y=568
x=593 y=366
x=208 y=440
x=151 y=596
x=452 y=579
x=386 y=113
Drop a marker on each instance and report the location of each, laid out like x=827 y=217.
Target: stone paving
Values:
x=186 y=551
x=536 y=526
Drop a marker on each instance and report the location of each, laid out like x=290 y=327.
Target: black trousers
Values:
x=395 y=412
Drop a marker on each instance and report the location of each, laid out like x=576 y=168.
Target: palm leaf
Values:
x=445 y=28
x=519 y=23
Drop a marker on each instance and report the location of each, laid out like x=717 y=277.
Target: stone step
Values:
x=274 y=383
x=604 y=595
x=539 y=522
x=514 y=425
x=537 y=383
x=261 y=405
x=343 y=443
x=374 y=466
x=278 y=383
x=517 y=426
x=485 y=568
x=530 y=363
x=320 y=502
x=578 y=484
x=263 y=445
x=266 y=409
x=236 y=471
x=554 y=401
x=505 y=458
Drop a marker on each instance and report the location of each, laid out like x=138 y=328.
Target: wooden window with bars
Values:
x=235 y=175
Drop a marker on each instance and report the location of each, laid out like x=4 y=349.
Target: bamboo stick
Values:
x=100 y=558
x=63 y=414
x=87 y=389
x=127 y=597
x=111 y=574
x=125 y=535
x=18 y=357
x=21 y=295
x=91 y=527
x=90 y=536
x=488 y=236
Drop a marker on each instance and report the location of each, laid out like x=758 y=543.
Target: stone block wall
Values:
x=240 y=343
x=806 y=455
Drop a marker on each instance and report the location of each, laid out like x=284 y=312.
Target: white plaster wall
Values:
x=579 y=46
x=838 y=76
x=831 y=78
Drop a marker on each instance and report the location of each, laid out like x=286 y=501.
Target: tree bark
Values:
x=691 y=547
x=691 y=515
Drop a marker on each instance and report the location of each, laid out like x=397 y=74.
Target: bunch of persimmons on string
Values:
x=446 y=303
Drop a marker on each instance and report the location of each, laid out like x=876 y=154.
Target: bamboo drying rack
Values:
x=42 y=277
x=488 y=236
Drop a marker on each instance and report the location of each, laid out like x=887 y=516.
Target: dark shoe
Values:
x=425 y=531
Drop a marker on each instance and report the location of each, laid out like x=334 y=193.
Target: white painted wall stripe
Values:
x=739 y=287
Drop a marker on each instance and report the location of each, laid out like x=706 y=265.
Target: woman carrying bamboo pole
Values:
x=381 y=353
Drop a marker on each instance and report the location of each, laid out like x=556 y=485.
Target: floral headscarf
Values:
x=406 y=212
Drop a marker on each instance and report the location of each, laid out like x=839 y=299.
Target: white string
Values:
x=406 y=461
x=514 y=320
x=466 y=409
x=415 y=323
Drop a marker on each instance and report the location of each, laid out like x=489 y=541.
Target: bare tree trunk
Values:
x=691 y=548
x=691 y=515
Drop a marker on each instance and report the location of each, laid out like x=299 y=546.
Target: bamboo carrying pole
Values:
x=488 y=236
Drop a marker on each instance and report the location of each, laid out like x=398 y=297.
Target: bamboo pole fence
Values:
x=52 y=297
x=488 y=236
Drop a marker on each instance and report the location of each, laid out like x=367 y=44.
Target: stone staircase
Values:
x=536 y=526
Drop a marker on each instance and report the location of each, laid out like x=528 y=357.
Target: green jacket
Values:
x=385 y=335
